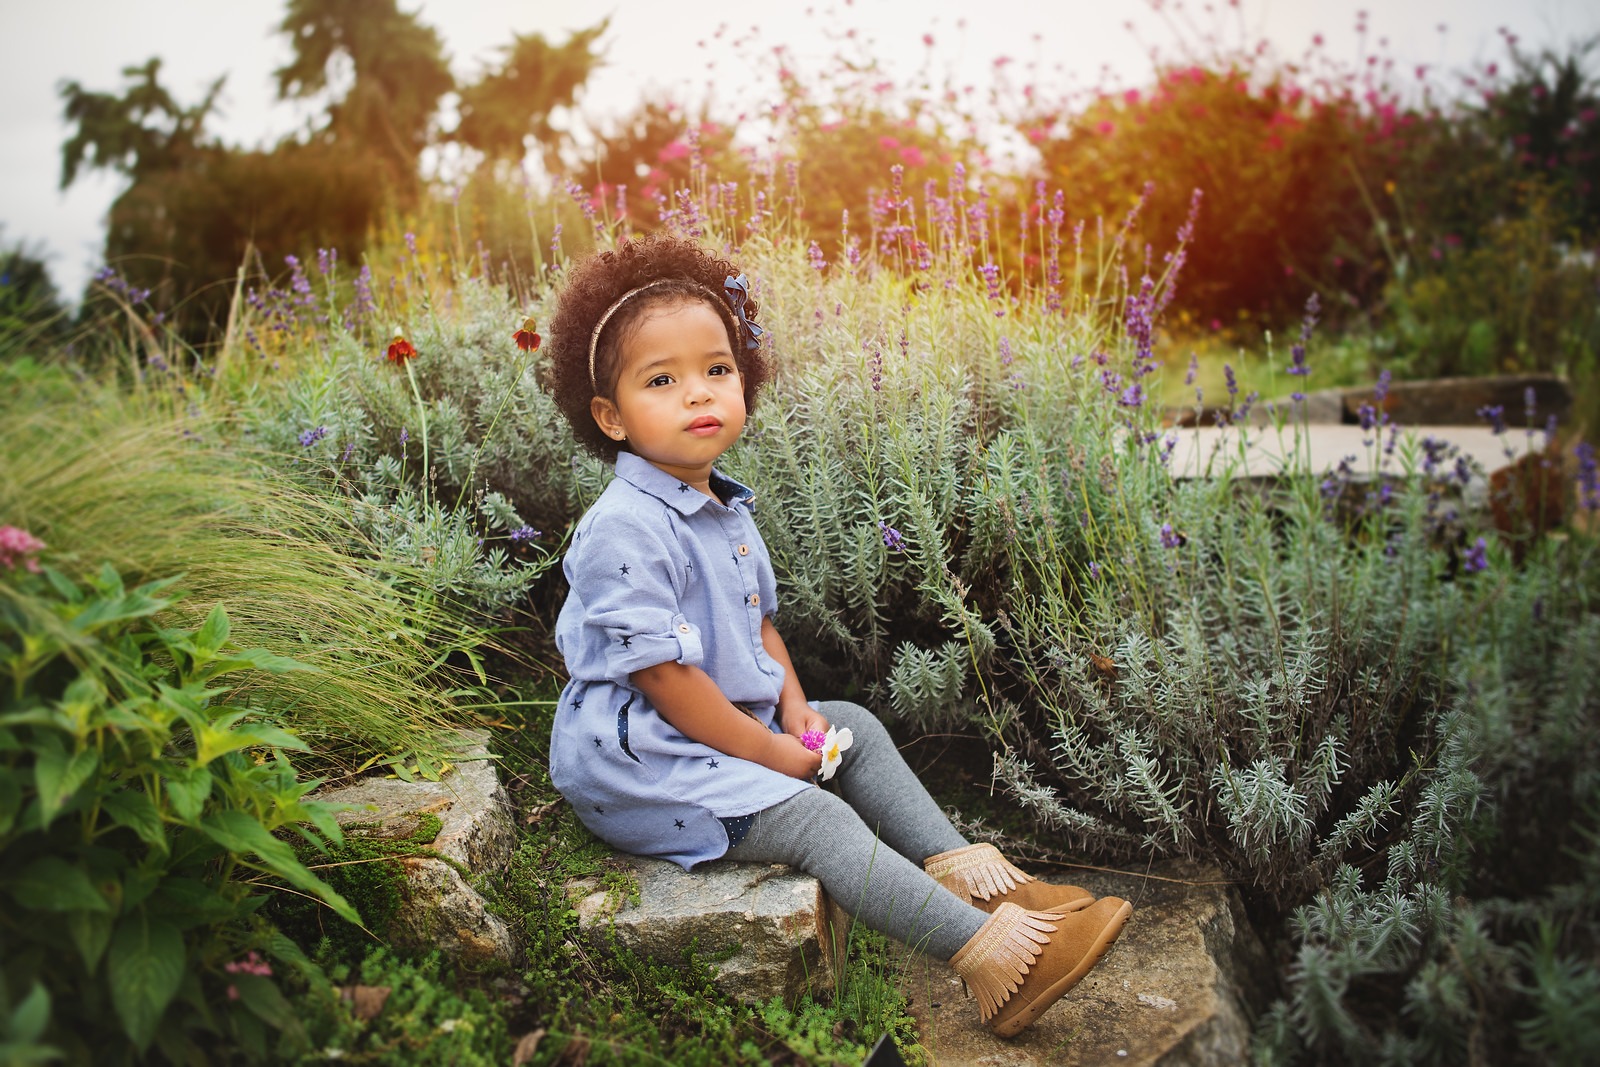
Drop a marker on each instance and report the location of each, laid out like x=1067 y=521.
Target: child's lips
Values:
x=705 y=425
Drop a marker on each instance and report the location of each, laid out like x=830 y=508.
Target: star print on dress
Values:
x=624 y=568
x=622 y=727
x=713 y=764
x=678 y=823
x=598 y=742
x=683 y=487
x=598 y=810
x=627 y=642
x=576 y=704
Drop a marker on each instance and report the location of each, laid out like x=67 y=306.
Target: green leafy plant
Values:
x=142 y=793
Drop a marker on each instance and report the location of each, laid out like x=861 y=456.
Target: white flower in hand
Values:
x=833 y=746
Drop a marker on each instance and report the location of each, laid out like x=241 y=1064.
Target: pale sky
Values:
x=652 y=47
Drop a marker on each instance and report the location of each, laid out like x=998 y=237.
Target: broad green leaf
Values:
x=138 y=813
x=57 y=776
x=90 y=930
x=83 y=696
x=144 y=966
x=213 y=741
x=10 y=799
x=188 y=788
x=34 y=715
x=239 y=833
x=30 y=1017
x=63 y=585
x=140 y=883
x=256 y=659
x=261 y=996
x=213 y=635
x=189 y=902
x=50 y=883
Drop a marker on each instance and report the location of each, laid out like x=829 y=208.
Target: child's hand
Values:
x=788 y=756
x=802 y=719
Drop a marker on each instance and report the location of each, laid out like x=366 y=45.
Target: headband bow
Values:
x=737 y=290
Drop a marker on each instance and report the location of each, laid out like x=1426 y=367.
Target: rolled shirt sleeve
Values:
x=628 y=579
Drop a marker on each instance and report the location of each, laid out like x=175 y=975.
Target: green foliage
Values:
x=98 y=476
x=426 y=1016
x=31 y=314
x=143 y=787
x=400 y=74
x=143 y=132
x=514 y=101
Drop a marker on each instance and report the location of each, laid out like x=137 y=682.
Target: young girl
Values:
x=679 y=735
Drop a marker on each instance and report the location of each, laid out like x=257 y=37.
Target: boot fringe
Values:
x=994 y=962
x=978 y=869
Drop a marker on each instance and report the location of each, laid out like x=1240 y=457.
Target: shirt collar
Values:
x=683 y=497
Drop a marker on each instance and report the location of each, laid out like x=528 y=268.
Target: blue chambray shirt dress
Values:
x=659 y=572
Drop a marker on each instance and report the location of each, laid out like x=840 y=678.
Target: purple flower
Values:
x=1139 y=321
x=1588 y=476
x=1476 y=558
x=1094 y=570
x=1194 y=369
x=814 y=254
x=405 y=435
x=1170 y=538
x=891 y=537
x=311 y=437
x=1132 y=396
x=1495 y=415
x=523 y=533
x=1297 y=353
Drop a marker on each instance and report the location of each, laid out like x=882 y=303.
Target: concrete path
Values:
x=1266 y=452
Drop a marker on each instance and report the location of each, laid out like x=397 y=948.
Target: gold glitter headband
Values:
x=594 y=338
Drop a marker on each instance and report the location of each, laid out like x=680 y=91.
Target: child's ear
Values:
x=608 y=418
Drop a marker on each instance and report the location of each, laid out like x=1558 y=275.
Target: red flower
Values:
x=526 y=339
x=401 y=350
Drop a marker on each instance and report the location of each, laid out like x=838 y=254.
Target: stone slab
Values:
x=767 y=918
x=1266 y=452
x=476 y=837
x=1178 y=988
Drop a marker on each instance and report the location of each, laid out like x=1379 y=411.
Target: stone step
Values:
x=1174 y=990
x=768 y=921
x=476 y=836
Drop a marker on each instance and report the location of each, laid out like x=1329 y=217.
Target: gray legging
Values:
x=867 y=844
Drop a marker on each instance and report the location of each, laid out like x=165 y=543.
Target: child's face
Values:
x=679 y=399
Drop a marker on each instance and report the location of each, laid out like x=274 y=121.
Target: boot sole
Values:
x=1011 y=1025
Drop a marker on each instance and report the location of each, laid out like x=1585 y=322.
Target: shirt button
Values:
x=683 y=628
x=755 y=598
x=744 y=550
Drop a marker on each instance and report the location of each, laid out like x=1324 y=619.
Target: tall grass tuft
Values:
x=138 y=482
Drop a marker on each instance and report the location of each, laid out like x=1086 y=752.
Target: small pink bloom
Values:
x=672 y=150
x=19 y=547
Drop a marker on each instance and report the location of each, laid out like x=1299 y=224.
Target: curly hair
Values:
x=686 y=271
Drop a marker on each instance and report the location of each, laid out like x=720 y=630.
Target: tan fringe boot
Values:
x=1020 y=962
x=986 y=879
